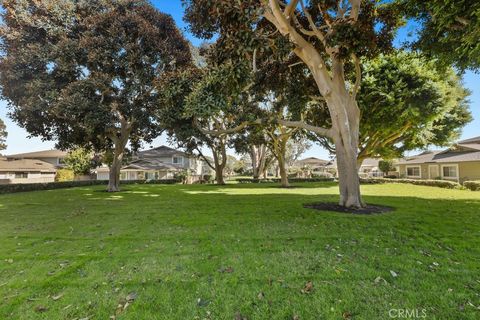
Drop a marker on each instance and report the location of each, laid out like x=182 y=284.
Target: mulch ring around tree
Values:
x=332 y=206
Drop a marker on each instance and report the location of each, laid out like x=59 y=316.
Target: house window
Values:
x=21 y=175
x=413 y=172
x=450 y=172
x=177 y=160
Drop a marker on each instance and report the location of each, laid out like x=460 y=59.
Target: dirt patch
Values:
x=331 y=206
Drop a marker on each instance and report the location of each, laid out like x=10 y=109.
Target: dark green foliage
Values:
x=472 y=185
x=73 y=71
x=386 y=165
x=447 y=29
x=407 y=103
x=24 y=187
x=420 y=182
x=80 y=161
x=275 y=180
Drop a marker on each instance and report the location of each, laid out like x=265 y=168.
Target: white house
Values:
x=156 y=164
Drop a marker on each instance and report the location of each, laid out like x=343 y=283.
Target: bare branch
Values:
x=302 y=125
x=355 y=9
x=314 y=28
x=358 y=76
x=221 y=132
x=201 y=155
x=290 y=8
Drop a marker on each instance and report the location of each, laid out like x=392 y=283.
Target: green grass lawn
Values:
x=238 y=251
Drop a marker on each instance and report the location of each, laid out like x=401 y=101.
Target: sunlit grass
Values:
x=220 y=252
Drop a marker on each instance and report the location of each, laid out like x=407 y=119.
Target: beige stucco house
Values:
x=54 y=157
x=26 y=171
x=156 y=164
x=460 y=162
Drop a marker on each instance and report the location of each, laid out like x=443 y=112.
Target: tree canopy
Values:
x=80 y=161
x=86 y=76
x=407 y=103
x=447 y=30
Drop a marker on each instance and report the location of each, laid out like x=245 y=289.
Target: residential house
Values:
x=311 y=166
x=156 y=164
x=54 y=157
x=368 y=168
x=460 y=162
x=26 y=171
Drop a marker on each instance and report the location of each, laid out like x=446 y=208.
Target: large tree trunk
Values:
x=258 y=155
x=345 y=137
x=120 y=142
x=114 y=174
x=340 y=98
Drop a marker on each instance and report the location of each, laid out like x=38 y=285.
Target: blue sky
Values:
x=18 y=140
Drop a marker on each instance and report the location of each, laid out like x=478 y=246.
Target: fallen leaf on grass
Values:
x=308 y=288
x=378 y=279
x=225 y=270
x=131 y=296
x=347 y=315
x=202 y=302
x=239 y=316
x=57 y=297
x=41 y=308
x=393 y=273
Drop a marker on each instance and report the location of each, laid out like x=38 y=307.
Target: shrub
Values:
x=23 y=187
x=276 y=180
x=432 y=183
x=64 y=175
x=324 y=175
x=472 y=185
x=207 y=178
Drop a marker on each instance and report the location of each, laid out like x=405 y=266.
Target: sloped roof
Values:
x=39 y=154
x=149 y=164
x=313 y=160
x=475 y=140
x=370 y=162
x=26 y=165
x=443 y=157
x=162 y=151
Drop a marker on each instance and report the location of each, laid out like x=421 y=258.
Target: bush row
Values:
x=432 y=183
x=23 y=187
x=277 y=180
x=472 y=185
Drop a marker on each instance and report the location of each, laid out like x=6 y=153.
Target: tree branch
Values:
x=221 y=132
x=302 y=125
x=358 y=76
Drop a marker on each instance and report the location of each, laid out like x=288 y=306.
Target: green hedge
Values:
x=432 y=183
x=472 y=185
x=277 y=180
x=23 y=187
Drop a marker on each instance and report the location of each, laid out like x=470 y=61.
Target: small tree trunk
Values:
x=219 y=152
x=281 y=151
x=283 y=173
x=219 y=175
